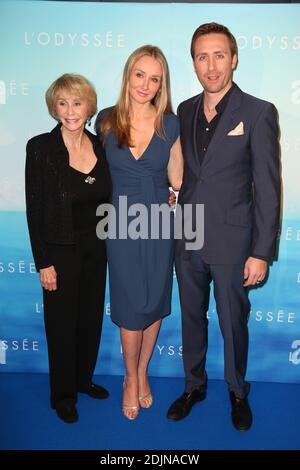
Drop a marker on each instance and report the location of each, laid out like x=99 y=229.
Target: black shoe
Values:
x=183 y=405
x=241 y=413
x=96 y=391
x=67 y=413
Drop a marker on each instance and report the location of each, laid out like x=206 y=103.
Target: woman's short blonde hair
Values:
x=76 y=85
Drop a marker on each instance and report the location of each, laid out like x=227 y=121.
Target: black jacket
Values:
x=238 y=182
x=48 y=192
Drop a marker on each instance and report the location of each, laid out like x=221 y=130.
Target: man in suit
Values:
x=231 y=152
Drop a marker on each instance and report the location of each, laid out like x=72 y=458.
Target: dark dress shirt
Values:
x=205 y=129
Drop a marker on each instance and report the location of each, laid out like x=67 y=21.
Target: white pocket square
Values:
x=238 y=130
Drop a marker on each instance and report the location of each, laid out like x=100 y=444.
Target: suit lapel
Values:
x=224 y=126
x=195 y=124
x=190 y=120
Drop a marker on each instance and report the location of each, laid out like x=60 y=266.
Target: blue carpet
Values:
x=28 y=422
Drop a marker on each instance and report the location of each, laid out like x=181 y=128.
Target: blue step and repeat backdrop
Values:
x=39 y=41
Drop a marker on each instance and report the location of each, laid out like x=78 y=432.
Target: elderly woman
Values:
x=66 y=179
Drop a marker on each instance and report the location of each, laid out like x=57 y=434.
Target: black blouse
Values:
x=88 y=191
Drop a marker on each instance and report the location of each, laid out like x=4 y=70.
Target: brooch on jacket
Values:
x=90 y=180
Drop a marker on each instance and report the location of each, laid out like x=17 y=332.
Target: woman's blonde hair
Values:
x=118 y=118
x=76 y=85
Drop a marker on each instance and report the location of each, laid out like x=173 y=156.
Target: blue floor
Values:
x=28 y=422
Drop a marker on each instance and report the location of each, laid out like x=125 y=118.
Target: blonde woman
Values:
x=141 y=138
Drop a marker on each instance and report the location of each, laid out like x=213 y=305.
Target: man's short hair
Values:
x=209 y=28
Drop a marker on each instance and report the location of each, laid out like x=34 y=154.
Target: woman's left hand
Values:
x=172 y=198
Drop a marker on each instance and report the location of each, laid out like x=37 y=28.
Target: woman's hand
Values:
x=48 y=278
x=172 y=198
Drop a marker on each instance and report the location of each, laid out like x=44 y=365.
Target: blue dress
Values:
x=141 y=269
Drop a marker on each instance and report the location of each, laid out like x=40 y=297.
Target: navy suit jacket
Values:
x=238 y=181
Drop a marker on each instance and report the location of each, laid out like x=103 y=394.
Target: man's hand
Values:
x=48 y=278
x=254 y=271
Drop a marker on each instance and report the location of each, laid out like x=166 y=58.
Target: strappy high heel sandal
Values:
x=146 y=401
x=130 y=412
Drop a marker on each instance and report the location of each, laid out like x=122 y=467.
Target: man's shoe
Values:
x=241 y=413
x=183 y=405
x=67 y=413
x=96 y=391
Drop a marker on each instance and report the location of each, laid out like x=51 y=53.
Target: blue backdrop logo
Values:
x=2 y=92
x=44 y=38
x=269 y=42
x=295 y=355
x=296 y=94
x=12 y=88
x=2 y=353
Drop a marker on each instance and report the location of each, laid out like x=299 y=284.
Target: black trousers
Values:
x=73 y=315
x=233 y=308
